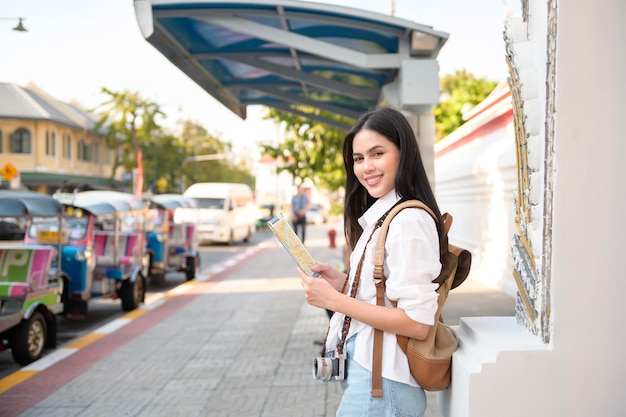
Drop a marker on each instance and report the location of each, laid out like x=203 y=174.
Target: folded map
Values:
x=290 y=241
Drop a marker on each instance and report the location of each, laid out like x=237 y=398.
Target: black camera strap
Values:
x=355 y=286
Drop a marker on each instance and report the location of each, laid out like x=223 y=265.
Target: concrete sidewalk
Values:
x=239 y=343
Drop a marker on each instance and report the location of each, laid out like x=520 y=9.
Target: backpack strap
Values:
x=379 y=251
x=355 y=285
x=379 y=281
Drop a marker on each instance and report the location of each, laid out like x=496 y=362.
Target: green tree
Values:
x=313 y=150
x=162 y=162
x=129 y=121
x=310 y=150
x=459 y=91
x=197 y=143
x=132 y=124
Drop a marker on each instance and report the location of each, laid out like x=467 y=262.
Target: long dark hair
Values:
x=411 y=179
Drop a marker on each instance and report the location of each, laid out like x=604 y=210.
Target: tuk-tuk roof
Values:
x=173 y=201
x=105 y=202
x=14 y=203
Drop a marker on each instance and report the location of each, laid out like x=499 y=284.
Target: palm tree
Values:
x=128 y=120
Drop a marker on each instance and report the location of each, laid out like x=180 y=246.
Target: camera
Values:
x=330 y=367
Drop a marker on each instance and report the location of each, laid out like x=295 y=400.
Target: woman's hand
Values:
x=320 y=291
x=335 y=277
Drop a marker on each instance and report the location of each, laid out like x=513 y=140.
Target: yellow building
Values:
x=51 y=144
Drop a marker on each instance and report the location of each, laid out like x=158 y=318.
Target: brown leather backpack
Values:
x=430 y=360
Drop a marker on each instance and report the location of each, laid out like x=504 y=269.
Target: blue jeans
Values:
x=398 y=400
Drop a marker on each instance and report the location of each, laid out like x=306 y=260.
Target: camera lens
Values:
x=325 y=368
x=318 y=368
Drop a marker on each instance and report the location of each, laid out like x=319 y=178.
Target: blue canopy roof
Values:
x=102 y=203
x=289 y=54
x=15 y=203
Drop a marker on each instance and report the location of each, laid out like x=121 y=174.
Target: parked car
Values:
x=316 y=214
x=269 y=210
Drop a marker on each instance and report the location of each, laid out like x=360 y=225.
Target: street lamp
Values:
x=20 y=27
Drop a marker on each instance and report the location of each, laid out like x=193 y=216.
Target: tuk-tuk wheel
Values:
x=132 y=293
x=29 y=339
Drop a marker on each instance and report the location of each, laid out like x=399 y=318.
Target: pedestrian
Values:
x=299 y=206
x=383 y=166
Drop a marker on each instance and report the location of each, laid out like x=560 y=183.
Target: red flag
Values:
x=139 y=177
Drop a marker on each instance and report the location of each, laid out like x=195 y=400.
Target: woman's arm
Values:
x=388 y=319
x=412 y=262
x=321 y=293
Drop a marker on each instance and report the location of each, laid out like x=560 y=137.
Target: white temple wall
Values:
x=561 y=354
x=475 y=181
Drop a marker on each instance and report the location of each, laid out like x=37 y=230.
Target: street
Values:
x=104 y=310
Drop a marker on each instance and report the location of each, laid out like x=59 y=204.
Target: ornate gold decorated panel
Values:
x=531 y=243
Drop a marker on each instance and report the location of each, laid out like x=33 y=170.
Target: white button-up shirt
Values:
x=411 y=264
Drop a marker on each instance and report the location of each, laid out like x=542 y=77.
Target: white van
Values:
x=227 y=211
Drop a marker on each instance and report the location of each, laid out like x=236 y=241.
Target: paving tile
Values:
x=242 y=347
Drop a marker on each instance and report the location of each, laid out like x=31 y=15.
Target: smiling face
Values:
x=376 y=161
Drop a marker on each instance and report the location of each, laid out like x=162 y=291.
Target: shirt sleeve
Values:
x=412 y=263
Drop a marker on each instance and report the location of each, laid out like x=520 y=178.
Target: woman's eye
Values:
x=358 y=158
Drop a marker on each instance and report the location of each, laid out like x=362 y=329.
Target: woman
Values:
x=383 y=166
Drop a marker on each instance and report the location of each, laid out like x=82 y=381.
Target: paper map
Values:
x=290 y=241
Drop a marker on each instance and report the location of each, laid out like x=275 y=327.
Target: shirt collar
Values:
x=380 y=207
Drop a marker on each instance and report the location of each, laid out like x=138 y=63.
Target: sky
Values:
x=73 y=48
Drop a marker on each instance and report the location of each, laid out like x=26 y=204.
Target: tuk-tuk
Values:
x=30 y=289
x=172 y=243
x=103 y=248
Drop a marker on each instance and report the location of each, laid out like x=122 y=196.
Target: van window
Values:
x=210 y=203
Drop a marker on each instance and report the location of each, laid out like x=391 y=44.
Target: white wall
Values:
x=588 y=284
x=475 y=182
x=500 y=369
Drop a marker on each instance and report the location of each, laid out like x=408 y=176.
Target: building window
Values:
x=96 y=153
x=51 y=143
x=67 y=146
x=84 y=151
x=20 y=141
x=1 y=141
